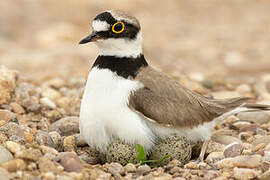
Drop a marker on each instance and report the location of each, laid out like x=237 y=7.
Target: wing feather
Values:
x=167 y=102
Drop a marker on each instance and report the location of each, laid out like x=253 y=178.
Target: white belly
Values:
x=105 y=114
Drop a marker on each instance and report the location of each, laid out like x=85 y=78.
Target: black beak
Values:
x=91 y=38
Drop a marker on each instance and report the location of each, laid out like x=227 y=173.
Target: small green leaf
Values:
x=158 y=160
x=141 y=157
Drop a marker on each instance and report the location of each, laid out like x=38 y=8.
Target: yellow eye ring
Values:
x=115 y=31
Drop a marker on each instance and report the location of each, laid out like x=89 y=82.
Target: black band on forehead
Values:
x=106 y=16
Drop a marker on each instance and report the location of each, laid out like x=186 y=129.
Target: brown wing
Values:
x=167 y=102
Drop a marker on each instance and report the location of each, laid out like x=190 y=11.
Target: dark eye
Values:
x=118 y=27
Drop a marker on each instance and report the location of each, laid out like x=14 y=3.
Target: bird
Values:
x=127 y=99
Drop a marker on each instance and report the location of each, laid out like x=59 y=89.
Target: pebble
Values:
x=29 y=137
x=46 y=165
x=258 y=147
x=244 y=136
x=3 y=138
x=267 y=148
x=44 y=138
x=265 y=140
x=14 y=165
x=17 y=108
x=214 y=147
x=244 y=89
x=248 y=127
x=4 y=175
x=48 y=176
x=56 y=138
x=69 y=144
x=56 y=83
x=5 y=155
x=246 y=161
x=11 y=128
x=46 y=149
x=50 y=93
x=31 y=104
x=79 y=140
x=115 y=168
x=7 y=84
x=130 y=168
x=143 y=169
x=17 y=139
x=175 y=170
x=265 y=175
x=226 y=140
x=6 y=115
x=266 y=156
x=191 y=165
x=29 y=154
x=260 y=117
x=70 y=161
x=214 y=157
x=64 y=102
x=225 y=94
x=90 y=159
x=244 y=173
x=207 y=83
x=232 y=150
x=96 y=173
x=48 y=102
x=13 y=146
x=66 y=126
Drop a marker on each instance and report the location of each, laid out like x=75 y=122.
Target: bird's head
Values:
x=116 y=34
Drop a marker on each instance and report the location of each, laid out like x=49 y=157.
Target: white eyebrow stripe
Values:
x=100 y=25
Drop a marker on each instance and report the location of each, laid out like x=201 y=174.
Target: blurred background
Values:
x=210 y=38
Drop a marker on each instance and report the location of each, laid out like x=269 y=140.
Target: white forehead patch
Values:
x=100 y=25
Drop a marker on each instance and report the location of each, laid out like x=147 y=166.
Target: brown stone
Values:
x=29 y=154
x=69 y=144
x=17 y=108
x=14 y=165
x=70 y=161
x=244 y=173
x=66 y=126
x=46 y=165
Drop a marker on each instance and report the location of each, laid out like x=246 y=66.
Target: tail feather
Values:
x=237 y=105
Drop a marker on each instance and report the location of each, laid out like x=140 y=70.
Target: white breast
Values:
x=105 y=114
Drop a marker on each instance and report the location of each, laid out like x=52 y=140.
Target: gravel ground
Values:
x=218 y=49
x=39 y=136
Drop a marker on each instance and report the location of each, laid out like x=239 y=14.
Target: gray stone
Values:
x=44 y=138
x=232 y=150
x=4 y=175
x=5 y=155
x=66 y=126
x=260 y=117
x=11 y=129
x=226 y=140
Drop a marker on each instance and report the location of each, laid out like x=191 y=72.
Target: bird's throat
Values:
x=127 y=67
